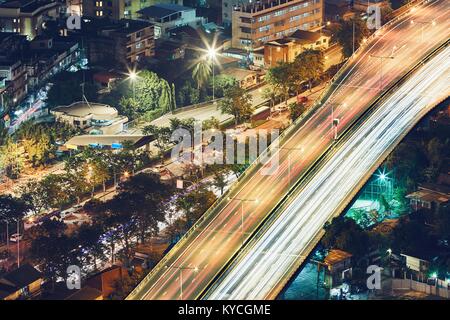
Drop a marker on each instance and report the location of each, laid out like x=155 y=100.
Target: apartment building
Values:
x=121 y=43
x=13 y=79
x=257 y=23
x=119 y=9
x=27 y=16
x=166 y=17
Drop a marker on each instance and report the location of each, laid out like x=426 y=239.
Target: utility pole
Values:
x=242 y=200
x=381 y=66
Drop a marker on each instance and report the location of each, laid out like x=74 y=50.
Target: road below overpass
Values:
x=194 y=262
x=273 y=255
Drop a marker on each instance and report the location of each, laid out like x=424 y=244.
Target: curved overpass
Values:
x=200 y=256
x=274 y=254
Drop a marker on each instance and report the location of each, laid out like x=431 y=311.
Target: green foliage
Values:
x=238 y=103
x=296 y=110
x=222 y=83
x=147 y=94
x=347 y=235
x=67 y=88
x=344 y=35
x=201 y=72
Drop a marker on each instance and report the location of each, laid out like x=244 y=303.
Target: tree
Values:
x=12 y=210
x=67 y=88
x=201 y=72
x=238 y=103
x=211 y=123
x=11 y=158
x=89 y=238
x=162 y=136
x=345 y=234
x=309 y=65
x=296 y=110
x=280 y=78
x=195 y=203
x=222 y=83
x=344 y=35
x=219 y=180
x=269 y=94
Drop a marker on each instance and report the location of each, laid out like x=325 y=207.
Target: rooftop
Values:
x=162 y=10
x=18 y=279
x=108 y=140
x=336 y=256
x=82 y=109
x=27 y=6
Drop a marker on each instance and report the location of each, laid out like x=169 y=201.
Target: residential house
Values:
x=286 y=49
x=21 y=283
x=27 y=17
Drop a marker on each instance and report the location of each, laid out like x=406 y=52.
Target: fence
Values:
x=440 y=289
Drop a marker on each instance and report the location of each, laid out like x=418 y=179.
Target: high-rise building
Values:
x=254 y=24
x=119 y=9
x=27 y=16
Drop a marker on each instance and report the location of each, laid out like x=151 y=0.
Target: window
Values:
x=225 y=5
x=99 y=3
x=265 y=28
x=138 y=45
x=99 y=13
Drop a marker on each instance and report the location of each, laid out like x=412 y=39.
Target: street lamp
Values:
x=242 y=200
x=195 y=269
x=132 y=76
x=289 y=160
x=381 y=66
x=212 y=56
x=335 y=121
x=423 y=23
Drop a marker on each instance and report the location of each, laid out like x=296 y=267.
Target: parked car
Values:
x=16 y=237
x=302 y=99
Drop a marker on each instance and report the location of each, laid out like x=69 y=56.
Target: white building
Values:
x=94 y=118
x=170 y=16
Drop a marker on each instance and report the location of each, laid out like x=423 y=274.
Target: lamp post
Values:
x=242 y=200
x=212 y=56
x=381 y=66
x=335 y=121
x=289 y=160
x=132 y=76
x=181 y=276
x=423 y=23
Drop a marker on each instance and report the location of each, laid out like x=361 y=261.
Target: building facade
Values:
x=27 y=17
x=118 y=9
x=286 y=49
x=257 y=23
x=170 y=16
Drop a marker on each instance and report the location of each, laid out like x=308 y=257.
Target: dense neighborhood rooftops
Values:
x=162 y=10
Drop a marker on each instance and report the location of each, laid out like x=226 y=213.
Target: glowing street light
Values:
x=195 y=269
x=132 y=76
x=211 y=54
x=242 y=200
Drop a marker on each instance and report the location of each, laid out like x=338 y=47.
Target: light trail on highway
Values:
x=214 y=240
x=271 y=256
